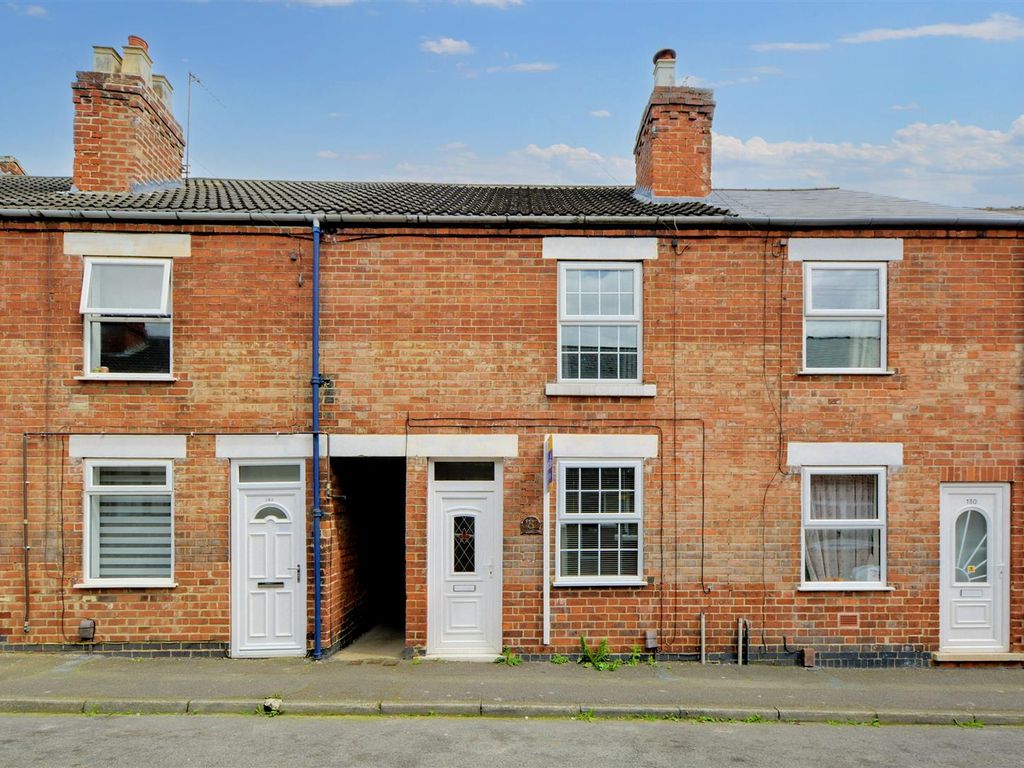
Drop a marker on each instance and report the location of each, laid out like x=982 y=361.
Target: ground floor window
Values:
x=599 y=538
x=843 y=527
x=128 y=521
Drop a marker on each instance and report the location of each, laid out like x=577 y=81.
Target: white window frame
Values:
x=636 y=517
x=90 y=489
x=880 y=314
x=635 y=319
x=94 y=316
x=879 y=524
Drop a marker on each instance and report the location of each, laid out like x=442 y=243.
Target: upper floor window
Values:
x=126 y=305
x=844 y=317
x=600 y=321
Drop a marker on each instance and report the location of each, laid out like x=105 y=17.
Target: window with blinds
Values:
x=600 y=521
x=129 y=521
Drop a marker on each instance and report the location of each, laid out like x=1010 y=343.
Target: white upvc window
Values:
x=126 y=307
x=599 y=536
x=843 y=531
x=129 y=523
x=600 y=334
x=844 y=317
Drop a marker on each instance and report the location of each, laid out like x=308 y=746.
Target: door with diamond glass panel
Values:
x=974 y=554
x=464 y=560
x=268 y=611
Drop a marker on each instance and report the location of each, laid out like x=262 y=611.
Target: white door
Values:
x=974 y=563
x=268 y=605
x=464 y=565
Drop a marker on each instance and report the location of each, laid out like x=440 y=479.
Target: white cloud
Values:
x=323 y=3
x=997 y=27
x=34 y=10
x=455 y=146
x=766 y=70
x=446 y=46
x=327 y=154
x=502 y=4
x=904 y=107
x=535 y=66
x=533 y=164
x=943 y=162
x=600 y=113
x=335 y=115
x=788 y=47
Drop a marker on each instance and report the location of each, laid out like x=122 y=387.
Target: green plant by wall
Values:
x=509 y=658
x=600 y=658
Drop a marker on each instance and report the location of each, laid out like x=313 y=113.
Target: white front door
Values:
x=974 y=563
x=268 y=564
x=464 y=564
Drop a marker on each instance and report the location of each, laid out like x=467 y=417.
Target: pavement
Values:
x=92 y=684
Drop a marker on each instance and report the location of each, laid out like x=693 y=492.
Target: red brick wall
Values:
x=123 y=134
x=241 y=352
x=454 y=331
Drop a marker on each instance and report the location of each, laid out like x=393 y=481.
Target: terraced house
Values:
x=259 y=417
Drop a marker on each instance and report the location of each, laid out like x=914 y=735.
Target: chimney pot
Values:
x=137 y=42
x=162 y=88
x=106 y=60
x=665 y=68
x=137 y=62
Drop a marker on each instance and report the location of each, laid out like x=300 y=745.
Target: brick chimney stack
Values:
x=9 y=165
x=126 y=137
x=673 y=145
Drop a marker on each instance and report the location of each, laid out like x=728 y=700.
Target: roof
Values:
x=348 y=197
x=283 y=202
x=838 y=204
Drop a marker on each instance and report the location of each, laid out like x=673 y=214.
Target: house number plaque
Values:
x=530 y=526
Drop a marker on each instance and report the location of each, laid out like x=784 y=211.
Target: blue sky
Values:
x=917 y=99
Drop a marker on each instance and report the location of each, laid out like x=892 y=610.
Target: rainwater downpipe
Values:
x=316 y=380
x=25 y=548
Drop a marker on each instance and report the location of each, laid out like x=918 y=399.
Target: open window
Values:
x=126 y=307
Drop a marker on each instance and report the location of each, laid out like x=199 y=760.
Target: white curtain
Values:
x=834 y=554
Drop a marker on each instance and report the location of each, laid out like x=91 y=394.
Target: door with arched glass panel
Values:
x=268 y=566
x=974 y=569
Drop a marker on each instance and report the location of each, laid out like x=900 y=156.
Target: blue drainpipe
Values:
x=316 y=381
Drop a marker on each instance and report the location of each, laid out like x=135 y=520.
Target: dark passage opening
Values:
x=370 y=506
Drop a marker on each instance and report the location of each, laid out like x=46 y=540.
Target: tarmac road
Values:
x=161 y=741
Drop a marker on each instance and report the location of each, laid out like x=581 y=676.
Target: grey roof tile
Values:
x=362 y=198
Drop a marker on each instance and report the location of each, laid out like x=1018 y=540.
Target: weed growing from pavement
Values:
x=559 y=659
x=586 y=716
x=599 y=658
x=875 y=723
x=509 y=658
x=634 y=656
x=972 y=723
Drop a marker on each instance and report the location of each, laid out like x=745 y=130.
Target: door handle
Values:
x=298 y=571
